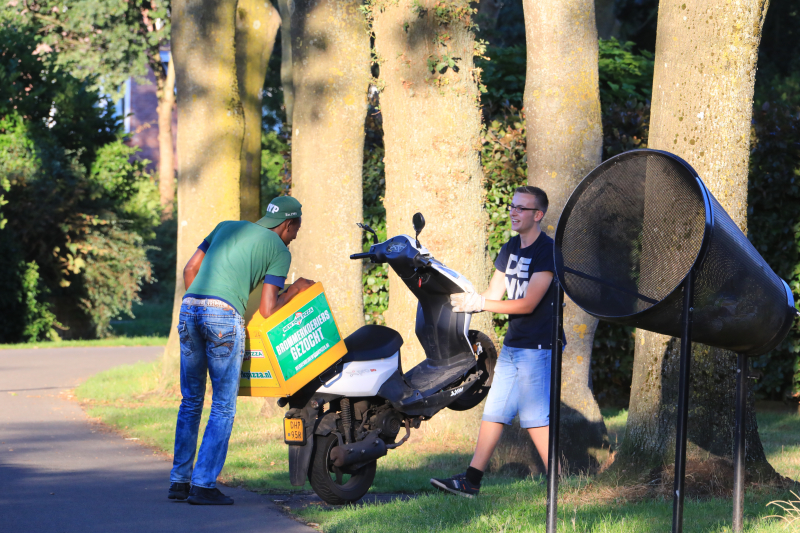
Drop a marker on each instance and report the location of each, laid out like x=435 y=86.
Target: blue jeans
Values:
x=212 y=340
x=521 y=385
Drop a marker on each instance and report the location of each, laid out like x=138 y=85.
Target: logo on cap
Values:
x=272 y=208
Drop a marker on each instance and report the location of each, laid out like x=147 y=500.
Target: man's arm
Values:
x=192 y=267
x=271 y=301
x=497 y=286
x=537 y=287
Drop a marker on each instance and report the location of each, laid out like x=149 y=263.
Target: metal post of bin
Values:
x=555 y=407
x=739 y=451
x=683 y=402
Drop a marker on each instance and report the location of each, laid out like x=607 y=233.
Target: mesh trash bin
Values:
x=631 y=233
x=642 y=242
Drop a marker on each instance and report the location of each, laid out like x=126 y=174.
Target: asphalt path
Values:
x=61 y=473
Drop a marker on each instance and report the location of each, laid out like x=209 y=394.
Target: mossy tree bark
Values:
x=432 y=123
x=564 y=142
x=210 y=132
x=257 y=23
x=702 y=103
x=331 y=60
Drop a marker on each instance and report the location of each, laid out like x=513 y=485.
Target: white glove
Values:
x=467 y=302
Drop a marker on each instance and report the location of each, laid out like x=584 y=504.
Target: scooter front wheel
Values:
x=486 y=361
x=337 y=486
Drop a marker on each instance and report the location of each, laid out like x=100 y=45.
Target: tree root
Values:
x=708 y=478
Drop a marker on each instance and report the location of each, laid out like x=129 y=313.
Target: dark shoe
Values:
x=457 y=484
x=203 y=496
x=179 y=491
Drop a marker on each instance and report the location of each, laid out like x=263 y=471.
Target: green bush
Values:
x=503 y=74
x=115 y=266
x=275 y=166
x=120 y=184
x=624 y=75
x=79 y=205
x=38 y=319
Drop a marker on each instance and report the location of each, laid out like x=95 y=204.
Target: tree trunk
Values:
x=564 y=143
x=257 y=23
x=331 y=58
x=210 y=132
x=286 y=7
x=165 y=92
x=702 y=103
x=432 y=123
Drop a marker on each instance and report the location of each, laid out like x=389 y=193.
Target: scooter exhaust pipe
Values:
x=368 y=449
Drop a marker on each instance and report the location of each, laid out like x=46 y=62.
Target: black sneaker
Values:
x=457 y=484
x=179 y=491
x=203 y=496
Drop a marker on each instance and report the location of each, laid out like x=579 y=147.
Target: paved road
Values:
x=59 y=473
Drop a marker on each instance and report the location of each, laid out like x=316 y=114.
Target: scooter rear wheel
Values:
x=337 y=486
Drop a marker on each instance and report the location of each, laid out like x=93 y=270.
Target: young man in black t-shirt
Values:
x=521 y=383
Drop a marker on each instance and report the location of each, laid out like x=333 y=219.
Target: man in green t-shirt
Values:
x=232 y=261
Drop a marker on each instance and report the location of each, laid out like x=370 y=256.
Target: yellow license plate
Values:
x=293 y=431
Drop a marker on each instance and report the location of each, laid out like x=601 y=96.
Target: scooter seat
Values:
x=368 y=343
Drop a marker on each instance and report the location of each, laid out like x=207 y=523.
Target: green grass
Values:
x=114 y=341
x=512 y=505
x=780 y=435
x=615 y=420
x=131 y=399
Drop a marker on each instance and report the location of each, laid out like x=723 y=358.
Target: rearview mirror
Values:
x=419 y=222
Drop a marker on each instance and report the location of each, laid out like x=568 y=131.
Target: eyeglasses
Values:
x=519 y=208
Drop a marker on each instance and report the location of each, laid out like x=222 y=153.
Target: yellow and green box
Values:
x=290 y=348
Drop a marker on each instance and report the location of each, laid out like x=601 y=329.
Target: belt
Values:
x=206 y=302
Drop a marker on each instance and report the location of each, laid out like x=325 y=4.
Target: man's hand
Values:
x=467 y=302
x=271 y=301
x=302 y=284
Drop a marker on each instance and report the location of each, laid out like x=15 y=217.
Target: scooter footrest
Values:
x=427 y=376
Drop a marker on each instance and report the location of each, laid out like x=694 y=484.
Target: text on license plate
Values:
x=293 y=430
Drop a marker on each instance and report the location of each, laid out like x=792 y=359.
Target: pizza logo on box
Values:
x=253 y=354
x=298 y=319
x=257 y=375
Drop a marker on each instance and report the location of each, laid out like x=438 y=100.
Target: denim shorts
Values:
x=521 y=386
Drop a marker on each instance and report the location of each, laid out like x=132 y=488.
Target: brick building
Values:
x=139 y=107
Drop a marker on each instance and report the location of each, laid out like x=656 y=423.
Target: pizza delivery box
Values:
x=290 y=348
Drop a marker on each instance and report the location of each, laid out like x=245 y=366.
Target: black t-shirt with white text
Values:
x=534 y=330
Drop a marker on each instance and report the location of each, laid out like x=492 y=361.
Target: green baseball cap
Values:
x=280 y=209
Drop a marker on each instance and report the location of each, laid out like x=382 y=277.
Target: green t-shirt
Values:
x=239 y=256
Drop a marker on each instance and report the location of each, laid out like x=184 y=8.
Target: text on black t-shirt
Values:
x=533 y=330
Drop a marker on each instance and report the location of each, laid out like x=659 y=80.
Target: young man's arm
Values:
x=193 y=267
x=497 y=286
x=537 y=287
x=271 y=301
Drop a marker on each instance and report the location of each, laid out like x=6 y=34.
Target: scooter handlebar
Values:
x=365 y=255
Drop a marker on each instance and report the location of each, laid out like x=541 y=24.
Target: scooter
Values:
x=341 y=423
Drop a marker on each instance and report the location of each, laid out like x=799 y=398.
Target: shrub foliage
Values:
x=77 y=204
